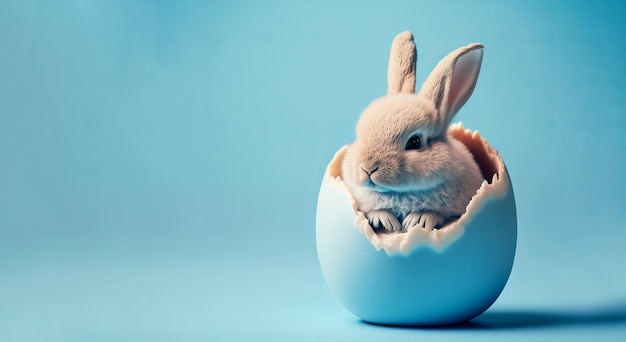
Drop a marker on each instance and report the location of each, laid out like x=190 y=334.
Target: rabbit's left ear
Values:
x=402 y=59
x=453 y=80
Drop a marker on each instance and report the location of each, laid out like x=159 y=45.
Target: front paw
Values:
x=384 y=220
x=428 y=220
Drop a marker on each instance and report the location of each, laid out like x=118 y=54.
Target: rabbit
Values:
x=404 y=170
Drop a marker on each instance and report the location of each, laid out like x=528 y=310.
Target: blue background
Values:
x=160 y=162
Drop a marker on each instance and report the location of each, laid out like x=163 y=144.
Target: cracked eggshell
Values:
x=421 y=278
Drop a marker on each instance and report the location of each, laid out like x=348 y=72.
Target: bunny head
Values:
x=401 y=139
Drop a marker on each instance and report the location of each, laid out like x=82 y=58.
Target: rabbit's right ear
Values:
x=453 y=80
x=402 y=59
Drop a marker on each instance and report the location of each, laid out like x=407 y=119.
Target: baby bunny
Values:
x=404 y=170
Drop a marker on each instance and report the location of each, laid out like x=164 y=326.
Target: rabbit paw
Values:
x=384 y=220
x=428 y=220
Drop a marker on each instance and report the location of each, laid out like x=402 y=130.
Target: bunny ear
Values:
x=453 y=80
x=401 y=73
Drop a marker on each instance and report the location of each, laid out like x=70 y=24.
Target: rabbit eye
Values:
x=414 y=143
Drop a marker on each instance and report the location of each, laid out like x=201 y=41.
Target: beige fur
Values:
x=399 y=189
x=402 y=59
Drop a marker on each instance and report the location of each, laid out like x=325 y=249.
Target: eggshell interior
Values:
x=422 y=277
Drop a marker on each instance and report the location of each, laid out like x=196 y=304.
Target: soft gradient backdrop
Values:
x=160 y=162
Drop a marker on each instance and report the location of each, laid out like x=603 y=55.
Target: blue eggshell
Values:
x=425 y=287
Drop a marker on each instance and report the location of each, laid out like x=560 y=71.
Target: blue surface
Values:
x=160 y=162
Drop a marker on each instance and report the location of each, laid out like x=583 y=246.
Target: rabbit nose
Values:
x=369 y=170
